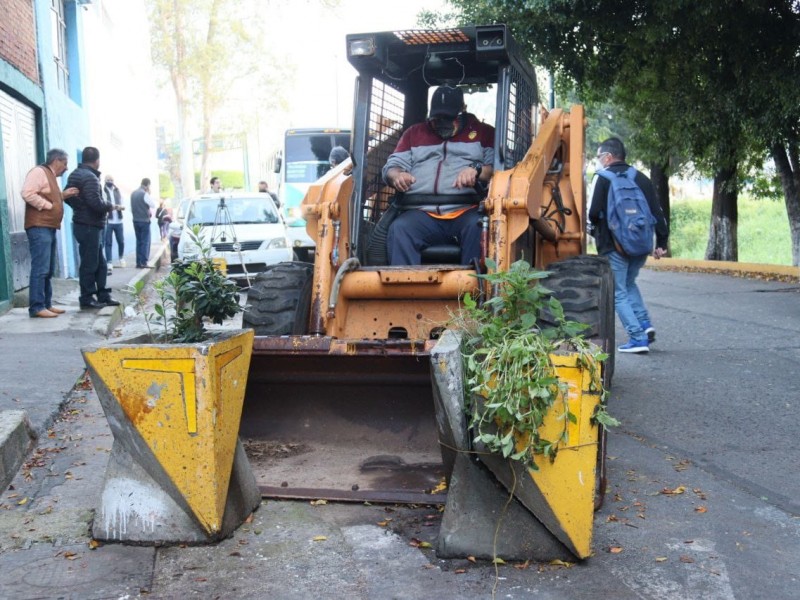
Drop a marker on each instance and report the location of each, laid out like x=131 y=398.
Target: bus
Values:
x=300 y=162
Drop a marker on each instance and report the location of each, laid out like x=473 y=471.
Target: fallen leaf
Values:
x=523 y=566
x=440 y=487
x=661 y=558
x=235 y=554
x=384 y=523
x=319 y=538
x=678 y=490
x=70 y=555
x=94 y=544
x=472 y=559
x=612 y=519
x=249 y=518
x=615 y=549
x=700 y=509
x=319 y=502
x=561 y=563
x=686 y=559
x=498 y=561
x=23 y=501
x=459 y=571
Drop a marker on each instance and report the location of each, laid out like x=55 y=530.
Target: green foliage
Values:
x=165 y=185
x=194 y=290
x=230 y=180
x=763 y=233
x=511 y=383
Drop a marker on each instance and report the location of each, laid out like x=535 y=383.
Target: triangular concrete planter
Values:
x=177 y=473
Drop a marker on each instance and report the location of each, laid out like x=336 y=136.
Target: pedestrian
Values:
x=216 y=186
x=142 y=208
x=114 y=228
x=263 y=188
x=44 y=209
x=439 y=166
x=163 y=218
x=89 y=214
x=628 y=300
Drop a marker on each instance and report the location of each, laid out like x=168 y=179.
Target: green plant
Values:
x=194 y=291
x=510 y=378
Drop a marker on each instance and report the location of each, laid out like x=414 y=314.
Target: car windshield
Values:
x=216 y=211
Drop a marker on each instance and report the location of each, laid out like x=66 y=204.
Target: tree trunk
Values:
x=660 y=179
x=722 y=235
x=787 y=162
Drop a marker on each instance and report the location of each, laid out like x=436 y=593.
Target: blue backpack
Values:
x=629 y=218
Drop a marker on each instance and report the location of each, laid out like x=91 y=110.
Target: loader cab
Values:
x=397 y=72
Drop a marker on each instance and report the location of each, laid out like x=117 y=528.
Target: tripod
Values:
x=223 y=230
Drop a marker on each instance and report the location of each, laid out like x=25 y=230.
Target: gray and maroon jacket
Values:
x=435 y=162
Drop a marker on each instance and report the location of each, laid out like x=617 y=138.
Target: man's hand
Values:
x=659 y=252
x=119 y=207
x=401 y=180
x=70 y=192
x=466 y=178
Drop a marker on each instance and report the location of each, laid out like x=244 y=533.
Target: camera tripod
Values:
x=223 y=231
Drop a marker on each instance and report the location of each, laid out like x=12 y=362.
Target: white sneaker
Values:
x=110 y=269
x=122 y=263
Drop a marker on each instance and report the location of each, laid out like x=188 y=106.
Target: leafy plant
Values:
x=193 y=292
x=510 y=378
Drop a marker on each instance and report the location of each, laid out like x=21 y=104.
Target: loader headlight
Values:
x=362 y=47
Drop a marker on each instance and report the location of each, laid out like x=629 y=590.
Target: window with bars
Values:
x=58 y=29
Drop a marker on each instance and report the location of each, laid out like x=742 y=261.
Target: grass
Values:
x=763 y=230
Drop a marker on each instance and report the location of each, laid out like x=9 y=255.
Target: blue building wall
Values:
x=66 y=121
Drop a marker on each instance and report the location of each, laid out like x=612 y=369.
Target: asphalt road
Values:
x=701 y=501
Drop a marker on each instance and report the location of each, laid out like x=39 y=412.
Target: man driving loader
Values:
x=436 y=167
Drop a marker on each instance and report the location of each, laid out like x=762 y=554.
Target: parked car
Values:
x=176 y=227
x=246 y=233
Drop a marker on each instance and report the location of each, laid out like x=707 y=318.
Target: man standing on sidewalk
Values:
x=44 y=209
x=88 y=224
x=142 y=208
x=114 y=227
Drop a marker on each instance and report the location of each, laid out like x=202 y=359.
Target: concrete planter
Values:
x=177 y=471
x=550 y=515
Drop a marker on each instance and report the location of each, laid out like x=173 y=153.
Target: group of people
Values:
x=439 y=168
x=96 y=221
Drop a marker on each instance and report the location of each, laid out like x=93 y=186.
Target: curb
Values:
x=16 y=440
x=153 y=265
x=756 y=270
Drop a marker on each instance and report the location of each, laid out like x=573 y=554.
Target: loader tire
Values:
x=279 y=301
x=585 y=287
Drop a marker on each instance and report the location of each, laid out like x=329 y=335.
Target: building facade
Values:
x=57 y=90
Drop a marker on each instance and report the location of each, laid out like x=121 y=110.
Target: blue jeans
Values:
x=415 y=230
x=142 y=231
x=627 y=298
x=42 y=244
x=114 y=230
x=93 y=269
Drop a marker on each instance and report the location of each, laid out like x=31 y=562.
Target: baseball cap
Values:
x=446 y=102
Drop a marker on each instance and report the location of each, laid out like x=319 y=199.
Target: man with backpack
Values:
x=624 y=217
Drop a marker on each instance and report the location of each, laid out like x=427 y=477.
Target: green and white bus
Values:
x=300 y=162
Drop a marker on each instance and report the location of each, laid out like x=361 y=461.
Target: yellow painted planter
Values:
x=561 y=492
x=176 y=408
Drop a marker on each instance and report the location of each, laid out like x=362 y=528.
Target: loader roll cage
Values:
x=397 y=70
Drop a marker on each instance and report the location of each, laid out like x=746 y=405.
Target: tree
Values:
x=685 y=71
x=213 y=62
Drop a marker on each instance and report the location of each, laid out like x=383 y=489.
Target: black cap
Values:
x=447 y=102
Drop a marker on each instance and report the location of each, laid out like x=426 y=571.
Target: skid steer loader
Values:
x=339 y=398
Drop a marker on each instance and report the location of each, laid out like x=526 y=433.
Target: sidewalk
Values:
x=42 y=360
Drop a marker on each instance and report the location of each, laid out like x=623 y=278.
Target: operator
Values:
x=437 y=166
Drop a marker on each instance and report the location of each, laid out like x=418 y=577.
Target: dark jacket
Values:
x=89 y=207
x=599 y=209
